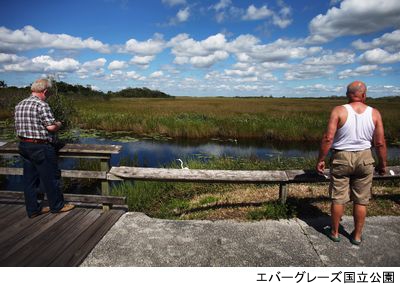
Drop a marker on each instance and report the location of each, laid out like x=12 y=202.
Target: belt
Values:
x=36 y=141
x=336 y=150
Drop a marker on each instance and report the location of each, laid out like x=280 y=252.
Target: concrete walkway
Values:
x=137 y=240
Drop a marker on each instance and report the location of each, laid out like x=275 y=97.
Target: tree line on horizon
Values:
x=79 y=91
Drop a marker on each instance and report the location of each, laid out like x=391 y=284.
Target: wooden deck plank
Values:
x=42 y=240
x=77 y=251
x=6 y=210
x=9 y=197
x=3 y=206
x=20 y=233
x=12 y=215
x=25 y=227
x=83 y=198
x=63 y=239
x=15 y=198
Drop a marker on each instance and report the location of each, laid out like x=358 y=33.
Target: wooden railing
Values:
x=281 y=177
x=92 y=151
x=103 y=152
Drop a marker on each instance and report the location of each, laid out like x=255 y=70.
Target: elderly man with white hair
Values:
x=34 y=122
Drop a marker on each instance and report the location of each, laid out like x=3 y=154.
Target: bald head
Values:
x=356 y=91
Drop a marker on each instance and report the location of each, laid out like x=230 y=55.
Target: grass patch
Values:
x=208 y=200
x=173 y=207
x=142 y=196
x=272 y=210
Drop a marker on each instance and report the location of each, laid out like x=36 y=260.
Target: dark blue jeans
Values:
x=41 y=168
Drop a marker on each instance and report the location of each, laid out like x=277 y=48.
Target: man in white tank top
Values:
x=352 y=130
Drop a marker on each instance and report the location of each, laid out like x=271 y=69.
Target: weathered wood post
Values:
x=283 y=191
x=105 y=184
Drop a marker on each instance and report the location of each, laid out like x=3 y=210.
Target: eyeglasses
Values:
x=48 y=91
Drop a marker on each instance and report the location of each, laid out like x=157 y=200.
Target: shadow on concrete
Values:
x=314 y=216
x=303 y=208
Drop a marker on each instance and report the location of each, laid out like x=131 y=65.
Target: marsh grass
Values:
x=280 y=119
x=231 y=163
x=9 y=97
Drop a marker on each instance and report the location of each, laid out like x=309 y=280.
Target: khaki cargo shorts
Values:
x=351 y=176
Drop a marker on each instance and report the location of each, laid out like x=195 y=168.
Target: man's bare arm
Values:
x=379 y=142
x=54 y=127
x=327 y=139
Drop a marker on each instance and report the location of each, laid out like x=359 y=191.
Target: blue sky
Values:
x=205 y=48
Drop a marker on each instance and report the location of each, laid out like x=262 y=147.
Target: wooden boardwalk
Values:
x=62 y=240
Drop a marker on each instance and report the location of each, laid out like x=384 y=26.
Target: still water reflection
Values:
x=154 y=153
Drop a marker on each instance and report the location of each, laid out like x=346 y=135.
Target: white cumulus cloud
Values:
x=280 y=50
x=379 y=56
x=242 y=71
x=338 y=58
x=10 y=58
x=94 y=67
x=95 y=64
x=183 y=15
x=145 y=48
x=30 y=38
x=281 y=19
x=207 y=61
x=133 y=75
x=254 y=13
x=142 y=60
x=117 y=65
x=302 y=72
x=355 y=17
x=388 y=41
x=43 y=64
x=364 y=70
x=156 y=74
x=203 y=53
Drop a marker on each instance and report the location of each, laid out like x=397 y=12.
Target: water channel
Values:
x=156 y=152
x=164 y=152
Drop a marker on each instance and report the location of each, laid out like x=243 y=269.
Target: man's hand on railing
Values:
x=380 y=169
x=320 y=167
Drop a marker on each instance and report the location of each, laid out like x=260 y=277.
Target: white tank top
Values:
x=357 y=132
